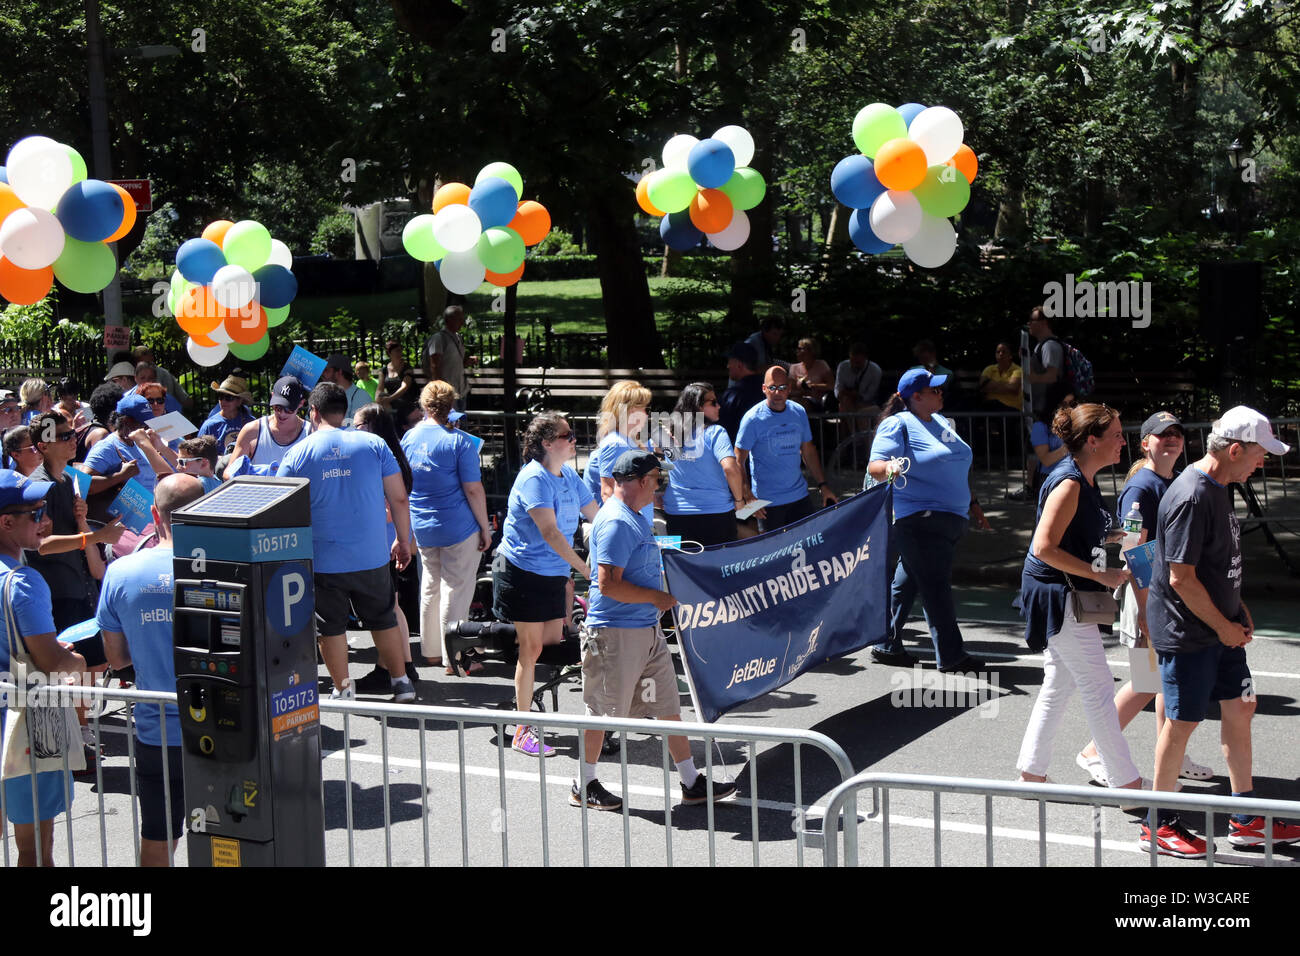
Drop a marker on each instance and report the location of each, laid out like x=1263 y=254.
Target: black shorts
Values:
x=153 y=805
x=370 y=592
x=706 y=529
x=778 y=516
x=519 y=595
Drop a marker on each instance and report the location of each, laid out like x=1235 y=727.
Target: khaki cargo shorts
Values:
x=628 y=672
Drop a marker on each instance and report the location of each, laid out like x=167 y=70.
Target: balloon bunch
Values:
x=704 y=188
x=479 y=233
x=55 y=223
x=914 y=172
x=231 y=285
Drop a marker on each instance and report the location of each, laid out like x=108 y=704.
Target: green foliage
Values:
x=558 y=243
x=335 y=236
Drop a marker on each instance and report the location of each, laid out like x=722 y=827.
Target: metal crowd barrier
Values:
x=840 y=810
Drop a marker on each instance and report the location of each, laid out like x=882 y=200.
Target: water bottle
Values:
x=1132 y=529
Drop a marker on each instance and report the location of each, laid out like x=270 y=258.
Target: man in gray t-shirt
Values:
x=1046 y=360
x=444 y=354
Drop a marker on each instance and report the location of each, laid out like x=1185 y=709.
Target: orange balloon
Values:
x=451 y=194
x=531 y=221
x=246 y=326
x=9 y=201
x=900 y=164
x=503 y=279
x=965 y=161
x=643 y=198
x=24 y=286
x=205 y=341
x=198 y=312
x=711 y=210
x=128 y=214
x=216 y=232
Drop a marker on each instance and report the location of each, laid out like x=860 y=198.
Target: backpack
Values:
x=1078 y=370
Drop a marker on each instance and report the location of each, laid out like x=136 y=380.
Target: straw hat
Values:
x=235 y=387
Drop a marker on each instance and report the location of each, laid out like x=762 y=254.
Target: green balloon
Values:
x=418 y=241
x=276 y=317
x=671 y=189
x=78 y=164
x=944 y=192
x=875 y=125
x=247 y=244
x=500 y=249
x=745 y=188
x=85 y=266
x=177 y=280
x=250 y=352
x=502 y=171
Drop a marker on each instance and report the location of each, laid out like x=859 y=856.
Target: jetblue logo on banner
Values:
x=755 y=614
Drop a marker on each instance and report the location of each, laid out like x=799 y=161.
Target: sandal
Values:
x=1094 y=768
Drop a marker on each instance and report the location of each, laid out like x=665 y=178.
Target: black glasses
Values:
x=566 y=436
x=777 y=388
x=157 y=401
x=65 y=436
x=228 y=398
x=36 y=513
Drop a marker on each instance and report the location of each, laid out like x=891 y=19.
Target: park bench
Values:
x=581 y=389
x=12 y=378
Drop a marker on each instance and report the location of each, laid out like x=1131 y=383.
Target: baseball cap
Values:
x=18 y=489
x=1244 y=424
x=338 y=360
x=1159 y=423
x=635 y=463
x=455 y=416
x=287 y=393
x=121 y=368
x=746 y=353
x=135 y=406
x=915 y=379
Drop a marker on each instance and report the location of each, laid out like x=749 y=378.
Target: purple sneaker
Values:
x=526 y=742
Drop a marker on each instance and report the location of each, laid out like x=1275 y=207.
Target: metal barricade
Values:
x=840 y=808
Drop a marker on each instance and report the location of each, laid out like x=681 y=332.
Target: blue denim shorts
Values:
x=50 y=797
x=1192 y=679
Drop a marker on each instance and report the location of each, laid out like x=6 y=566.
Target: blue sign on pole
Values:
x=755 y=614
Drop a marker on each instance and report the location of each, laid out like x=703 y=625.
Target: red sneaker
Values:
x=1252 y=833
x=1174 y=839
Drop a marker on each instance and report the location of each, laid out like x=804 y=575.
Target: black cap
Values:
x=746 y=353
x=288 y=393
x=1159 y=422
x=338 y=360
x=636 y=463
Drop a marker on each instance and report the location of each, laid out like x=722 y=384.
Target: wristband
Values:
x=83 y=541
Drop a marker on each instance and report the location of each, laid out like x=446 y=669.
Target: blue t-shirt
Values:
x=31 y=603
x=105 y=458
x=136 y=600
x=565 y=494
x=209 y=482
x=346 y=469
x=1040 y=434
x=937 y=478
x=225 y=429
x=442 y=459
x=697 y=484
x=621 y=537
x=774 y=441
x=605 y=456
x=1146 y=488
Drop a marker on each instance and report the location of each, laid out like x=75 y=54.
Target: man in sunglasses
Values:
x=268 y=439
x=774 y=438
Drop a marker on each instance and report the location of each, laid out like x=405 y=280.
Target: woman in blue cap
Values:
x=920 y=451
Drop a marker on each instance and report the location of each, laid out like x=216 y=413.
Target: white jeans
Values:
x=1075 y=659
x=446 y=590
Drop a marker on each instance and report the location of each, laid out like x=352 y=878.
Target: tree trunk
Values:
x=1011 y=216
x=633 y=340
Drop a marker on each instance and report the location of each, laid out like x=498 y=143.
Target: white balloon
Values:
x=934 y=243
x=31 y=238
x=206 y=355
x=741 y=143
x=938 y=131
x=462 y=272
x=677 y=149
x=234 y=286
x=220 y=335
x=280 y=255
x=734 y=236
x=39 y=171
x=895 y=216
x=457 y=228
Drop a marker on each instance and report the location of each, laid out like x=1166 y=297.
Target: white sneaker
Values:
x=1194 y=771
x=346 y=692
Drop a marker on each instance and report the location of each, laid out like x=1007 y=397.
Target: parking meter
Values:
x=245 y=654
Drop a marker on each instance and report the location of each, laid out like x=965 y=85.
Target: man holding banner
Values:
x=627 y=670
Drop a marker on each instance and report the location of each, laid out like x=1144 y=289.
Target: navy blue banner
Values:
x=755 y=614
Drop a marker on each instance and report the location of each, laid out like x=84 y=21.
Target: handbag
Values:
x=44 y=734
x=1092 y=607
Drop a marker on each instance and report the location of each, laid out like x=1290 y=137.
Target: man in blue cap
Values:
x=115 y=459
x=627 y=670
x=22 y=524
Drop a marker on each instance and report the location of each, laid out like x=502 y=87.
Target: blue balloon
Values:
x=862 y=236
x=199 y=259
x=910 y=111
x=276 y=286
x=679 y=232
x=494 y=200
x=854 y=182
x=4 y=175
x=711 y=163
x=90 y=210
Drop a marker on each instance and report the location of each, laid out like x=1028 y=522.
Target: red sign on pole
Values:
x=116 y=338
x=141 y=190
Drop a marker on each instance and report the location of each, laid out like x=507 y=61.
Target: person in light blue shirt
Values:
x=931 y=504
x=135 y=616
x=231 y=413
x=774 y=439
x=353 y=474
x=706 y=485
x=115 y=459
x=624 y=412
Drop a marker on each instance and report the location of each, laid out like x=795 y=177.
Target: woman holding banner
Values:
x=920 y=451
x=705 y=486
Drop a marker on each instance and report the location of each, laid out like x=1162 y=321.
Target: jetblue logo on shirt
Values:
x=160 y=615
x=336 y=473
x=335 y=453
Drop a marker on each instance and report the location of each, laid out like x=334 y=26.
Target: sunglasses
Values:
x=186 y=462
x=36 y=513
x=157 y=401
x=27 y=448
x=712 y=401
x=777 y=388
x=566 y=436
x=65 y=436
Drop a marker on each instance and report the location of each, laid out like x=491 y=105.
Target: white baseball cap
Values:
x=1247 y=425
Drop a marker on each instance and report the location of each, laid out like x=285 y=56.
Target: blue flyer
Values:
x=304 y=366
x=133 y=506
x=1139 y=563
x=478 y=442
x=82 y=479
